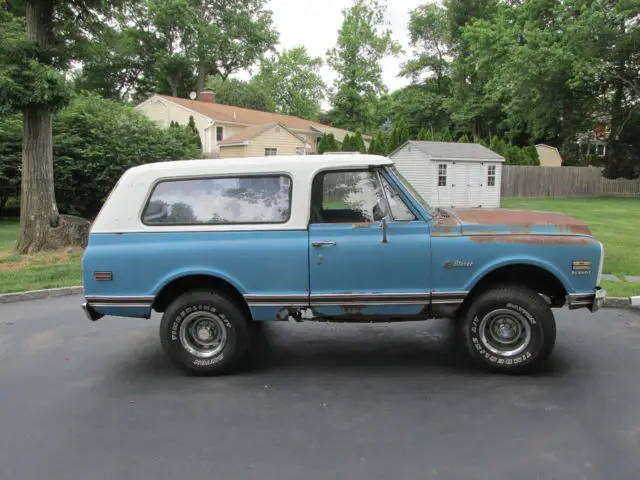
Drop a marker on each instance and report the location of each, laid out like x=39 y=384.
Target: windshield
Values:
x=412 y=191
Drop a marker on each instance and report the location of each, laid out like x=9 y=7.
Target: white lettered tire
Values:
x=204 y=332
x=508 y=329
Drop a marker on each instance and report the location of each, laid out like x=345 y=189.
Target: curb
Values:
x=39 y=294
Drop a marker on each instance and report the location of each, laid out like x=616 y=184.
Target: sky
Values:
x=315 y=23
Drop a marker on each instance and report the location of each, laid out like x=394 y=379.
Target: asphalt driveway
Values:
x=94 y=401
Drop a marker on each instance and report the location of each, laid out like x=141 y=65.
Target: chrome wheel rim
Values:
x=203 y=334
x=505 y=332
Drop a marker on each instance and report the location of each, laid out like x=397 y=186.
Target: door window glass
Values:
x=348 y=197
x=399 y=209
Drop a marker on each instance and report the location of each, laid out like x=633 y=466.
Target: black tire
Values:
x=219 y=315
x=519 y=310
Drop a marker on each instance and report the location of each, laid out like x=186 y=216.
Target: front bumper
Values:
x=592 y=301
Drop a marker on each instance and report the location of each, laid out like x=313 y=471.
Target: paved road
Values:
x=100 y=401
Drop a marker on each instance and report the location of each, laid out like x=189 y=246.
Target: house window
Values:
x=301 y=151
x=258 y=199
x=491 y=176
x=219 y=133
x=270 y=152
x=600 y=150
x=442 y=175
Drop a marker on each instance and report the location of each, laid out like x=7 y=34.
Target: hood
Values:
x=514 y=222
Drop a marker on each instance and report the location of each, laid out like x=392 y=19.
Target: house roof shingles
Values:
x=227 y=113
x=446 y=150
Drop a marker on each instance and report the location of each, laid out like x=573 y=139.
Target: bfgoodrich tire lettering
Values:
x=204 y=332
x=508 y=329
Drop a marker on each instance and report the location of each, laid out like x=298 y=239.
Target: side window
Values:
x=399 y=209
x=219 y=133
x=270 y=152
x=218 y=201
x=491 y=176
x=347 y=197
x=442 y=175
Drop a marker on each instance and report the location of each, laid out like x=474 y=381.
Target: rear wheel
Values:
x=204 y=332
x=508 y=329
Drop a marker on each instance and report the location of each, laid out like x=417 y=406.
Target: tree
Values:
x=328 y=144
x=378 y=145
x=194 y=132
x=399 y=135
x=463 y=139
x=34 y=49
x=358 y=143
x=173 y=24
x=293 y=80
x=347 y=144
x=229 y=36
x=241 y=94
x=431 y=39
x=123 y=64
x=363 y=41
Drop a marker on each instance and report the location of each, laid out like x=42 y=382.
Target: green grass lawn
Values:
x=33 y=272
x=613 y=221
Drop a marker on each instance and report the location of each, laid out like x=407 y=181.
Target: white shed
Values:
x=458 y=175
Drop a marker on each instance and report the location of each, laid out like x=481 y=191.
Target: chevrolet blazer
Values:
x=218 y=246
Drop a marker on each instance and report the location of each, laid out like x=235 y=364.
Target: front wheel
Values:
x=508 y=329
x=203 y=332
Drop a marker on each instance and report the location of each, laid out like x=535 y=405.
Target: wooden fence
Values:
x=530 y=181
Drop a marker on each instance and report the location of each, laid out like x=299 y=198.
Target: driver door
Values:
x=368 y=253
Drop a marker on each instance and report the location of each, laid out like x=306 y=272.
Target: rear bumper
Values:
x=593 y=301
x=91 y=313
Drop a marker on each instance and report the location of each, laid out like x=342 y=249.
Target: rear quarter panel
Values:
x=259 y=263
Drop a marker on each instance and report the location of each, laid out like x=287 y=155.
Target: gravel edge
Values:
x=610 y=302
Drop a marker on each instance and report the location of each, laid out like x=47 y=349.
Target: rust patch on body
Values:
x=523 y=221
x=532 y=239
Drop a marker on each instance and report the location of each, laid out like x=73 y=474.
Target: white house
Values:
x=458 y=175
x=224 y=129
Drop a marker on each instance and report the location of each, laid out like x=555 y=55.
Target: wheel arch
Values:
x=179 y=284
x=540 y=277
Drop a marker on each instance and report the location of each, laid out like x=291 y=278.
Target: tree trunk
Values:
x=38 y=210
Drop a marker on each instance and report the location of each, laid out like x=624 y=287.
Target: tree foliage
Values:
x=328 y=144
x=241 y=94
x=399 y=135
x=363 y=41
x=292 y=79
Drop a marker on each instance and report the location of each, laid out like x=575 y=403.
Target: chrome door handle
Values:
x=324 y=244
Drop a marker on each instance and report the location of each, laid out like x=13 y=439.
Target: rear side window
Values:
x=220 y=201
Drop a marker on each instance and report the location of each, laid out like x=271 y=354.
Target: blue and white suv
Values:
x=219 y=245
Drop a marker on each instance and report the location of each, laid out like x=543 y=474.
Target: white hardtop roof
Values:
x=123 y=210
x=294 y=164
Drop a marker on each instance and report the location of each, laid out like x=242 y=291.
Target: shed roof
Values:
x=456 y=151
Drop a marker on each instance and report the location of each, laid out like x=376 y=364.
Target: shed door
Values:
x=467 y=185
x=475 y=184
